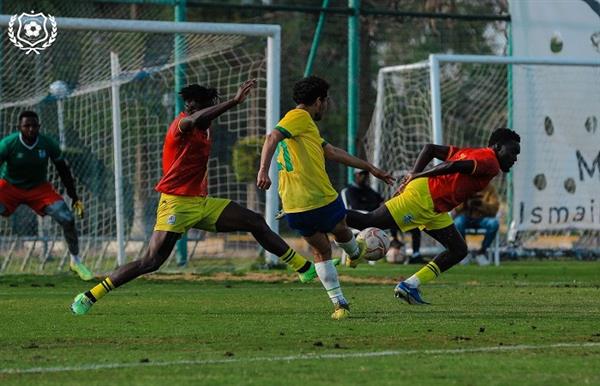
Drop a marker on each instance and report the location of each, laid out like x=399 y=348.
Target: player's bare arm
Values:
x=462 y=167
x=202 y=118
x=429 y=152
x=262 y=180
x=336 y=154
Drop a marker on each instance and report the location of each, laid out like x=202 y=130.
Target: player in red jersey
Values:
x=424 y=199
x=184 y=201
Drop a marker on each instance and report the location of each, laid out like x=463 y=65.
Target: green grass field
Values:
x=526 y=323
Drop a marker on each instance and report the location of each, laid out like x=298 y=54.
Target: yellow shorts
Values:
x=180 y=213
x=413 y=208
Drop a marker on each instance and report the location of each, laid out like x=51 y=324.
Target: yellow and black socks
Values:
x=100 y=290
x=426 y=274
x=295 y=260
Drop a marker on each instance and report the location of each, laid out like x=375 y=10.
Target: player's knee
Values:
x=256 y=223
x=493 y=224
x=460 y=250
x=321 y=254
x=358 y=220
x=460 y=222
x=150 y=264
x=60 y=212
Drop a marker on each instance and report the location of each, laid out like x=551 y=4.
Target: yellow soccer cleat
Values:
x=342 y=311
x=81 y=270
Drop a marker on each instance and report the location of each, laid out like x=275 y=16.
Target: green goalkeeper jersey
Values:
x=26 y=166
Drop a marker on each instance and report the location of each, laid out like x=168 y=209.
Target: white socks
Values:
x=350 y=247
x=413 y=281
x=329 y=277
x=75 y=259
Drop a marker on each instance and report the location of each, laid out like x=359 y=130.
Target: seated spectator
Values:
x=479 y=212
x=395 y=255
x=359 y=195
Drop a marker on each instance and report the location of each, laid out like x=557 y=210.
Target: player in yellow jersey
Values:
x=311 y=204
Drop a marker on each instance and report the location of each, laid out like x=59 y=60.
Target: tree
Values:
x=245 y=163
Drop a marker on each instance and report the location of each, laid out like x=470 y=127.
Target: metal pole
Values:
x=62 y=138
x=353 y=76
x=179 y=47
x=436 y=101
x=316 y=39
x=509 y=177
x=273 y=96
x=378 y=126
x=117 y=155
x=1 y=55
x=151 y=26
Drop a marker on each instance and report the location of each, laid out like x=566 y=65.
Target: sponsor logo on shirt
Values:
x=42 y=153
x=407 y=219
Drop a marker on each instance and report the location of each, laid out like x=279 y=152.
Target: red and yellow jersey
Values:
x=450 y=190
x=185 y=160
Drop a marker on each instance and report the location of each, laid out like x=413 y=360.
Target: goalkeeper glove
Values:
x=78 y=208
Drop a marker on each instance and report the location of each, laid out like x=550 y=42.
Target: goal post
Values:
x=120 y=75
x=553 y=103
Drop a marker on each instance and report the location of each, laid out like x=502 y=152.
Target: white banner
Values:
x=556 y=110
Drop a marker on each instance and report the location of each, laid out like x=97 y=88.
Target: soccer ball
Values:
x=377 y=243
x=59 y=89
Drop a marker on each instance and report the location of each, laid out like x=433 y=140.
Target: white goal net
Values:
x=120 y=222
x=549 y=204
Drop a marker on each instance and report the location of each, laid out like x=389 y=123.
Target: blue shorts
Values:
x=322 y=219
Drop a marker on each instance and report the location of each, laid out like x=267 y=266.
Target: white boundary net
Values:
x=474 y=99
x=147 y=96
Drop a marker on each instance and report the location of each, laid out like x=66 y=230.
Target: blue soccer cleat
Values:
x=409 y=294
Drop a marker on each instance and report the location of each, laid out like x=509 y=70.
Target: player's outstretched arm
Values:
x=262 y=180
x=203 y=118
x=462 y=167
x=341 y=156
x=429 y=152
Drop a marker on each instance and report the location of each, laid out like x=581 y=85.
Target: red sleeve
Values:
x=486 y=165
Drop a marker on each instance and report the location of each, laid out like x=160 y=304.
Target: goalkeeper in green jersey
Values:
x=23 y=180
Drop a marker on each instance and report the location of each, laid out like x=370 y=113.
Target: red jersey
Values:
x=450 y=190
x=185 y=159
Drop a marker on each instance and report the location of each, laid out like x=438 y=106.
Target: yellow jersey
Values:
x=303 y=181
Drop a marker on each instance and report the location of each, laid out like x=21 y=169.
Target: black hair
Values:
x=307 y=90
x=205 y=96
x=28 y=114
x=503 y=135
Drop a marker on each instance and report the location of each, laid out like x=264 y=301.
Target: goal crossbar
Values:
x=271 y=32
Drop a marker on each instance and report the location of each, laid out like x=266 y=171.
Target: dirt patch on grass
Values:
x=261 y=277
